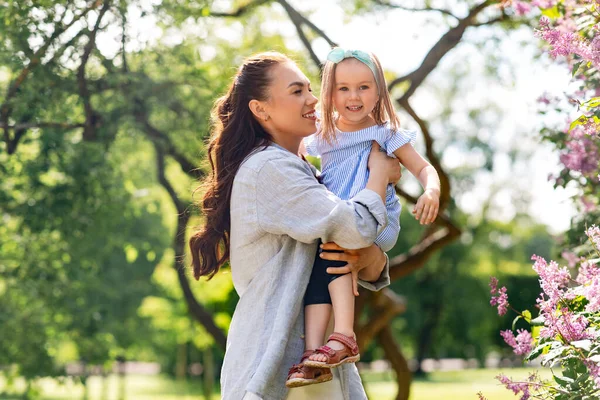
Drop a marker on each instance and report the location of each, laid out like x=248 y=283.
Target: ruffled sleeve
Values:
x=398 y=139
x=310 y=143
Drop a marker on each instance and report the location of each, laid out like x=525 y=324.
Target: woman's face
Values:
x=291 y=104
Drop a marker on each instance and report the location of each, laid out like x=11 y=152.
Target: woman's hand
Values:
x=395 y=170
x=427 y=206
x=379 y=162
x=366 y=264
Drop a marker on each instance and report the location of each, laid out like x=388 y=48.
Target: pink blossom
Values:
x=522 y=344
x=516 y=387
x=570 y=257
x=588 y=204
x=501 y=301
x=543 y=4
x=594 y=234
x=591 y=292
x=521 y=8
x=594 y=370
x=552 y=278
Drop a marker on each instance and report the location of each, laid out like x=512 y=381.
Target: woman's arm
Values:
x=290 y=201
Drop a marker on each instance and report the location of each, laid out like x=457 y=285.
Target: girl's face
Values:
x=291 y=104
x=354 y=94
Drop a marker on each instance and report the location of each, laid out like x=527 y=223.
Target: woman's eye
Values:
x=298 y=91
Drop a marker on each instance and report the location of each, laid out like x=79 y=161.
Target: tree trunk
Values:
x=181 y=365
x=399 y=364
x=208 y=364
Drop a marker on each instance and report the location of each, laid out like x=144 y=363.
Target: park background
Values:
x=105 y=111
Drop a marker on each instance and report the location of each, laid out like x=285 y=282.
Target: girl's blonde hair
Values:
x=382 y=112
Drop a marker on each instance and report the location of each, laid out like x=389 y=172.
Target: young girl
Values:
x=356 y=111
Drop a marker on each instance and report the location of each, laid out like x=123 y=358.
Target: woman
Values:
x=265 y=211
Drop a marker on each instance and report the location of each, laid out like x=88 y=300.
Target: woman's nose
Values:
x=312 y=100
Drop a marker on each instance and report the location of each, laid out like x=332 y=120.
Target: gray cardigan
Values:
x=279 y=211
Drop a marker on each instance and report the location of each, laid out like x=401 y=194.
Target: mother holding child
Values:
x=267 y=212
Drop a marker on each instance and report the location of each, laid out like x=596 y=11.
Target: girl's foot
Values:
x=302 y=375
x=340 y=349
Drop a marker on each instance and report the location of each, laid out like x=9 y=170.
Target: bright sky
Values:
x=401 y=40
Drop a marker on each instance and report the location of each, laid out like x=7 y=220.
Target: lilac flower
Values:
x=594 y=234
x=571 y=326
x=588 y=205
x=581 y=151
x=501 y=301
x=570 y=257
x=521 y=8
x=552 y=280
x=594 y=370
x=516 y=387
x=522 y=344
x=543 y=4
x=481 y=396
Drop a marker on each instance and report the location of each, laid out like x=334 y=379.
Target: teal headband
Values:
x=338 y=54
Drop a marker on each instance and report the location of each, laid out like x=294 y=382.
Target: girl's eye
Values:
x=343 y=88
x=364 y=87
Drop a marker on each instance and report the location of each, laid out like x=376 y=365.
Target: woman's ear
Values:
x=258 y=109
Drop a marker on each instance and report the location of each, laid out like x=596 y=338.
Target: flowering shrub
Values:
x=566 y=333
x=569 y=29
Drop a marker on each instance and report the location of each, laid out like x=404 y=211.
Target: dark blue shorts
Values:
x=317 y=291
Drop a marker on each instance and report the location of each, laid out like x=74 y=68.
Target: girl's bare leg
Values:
x=316 y=320
x=342 y=298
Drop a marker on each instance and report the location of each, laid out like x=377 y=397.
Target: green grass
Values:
x=450 y=385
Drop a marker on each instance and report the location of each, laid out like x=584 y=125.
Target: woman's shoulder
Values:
x=270 y=158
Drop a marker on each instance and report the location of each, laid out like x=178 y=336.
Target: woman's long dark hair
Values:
x=235 y=134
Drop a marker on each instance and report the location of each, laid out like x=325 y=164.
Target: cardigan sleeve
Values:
x=290 y=201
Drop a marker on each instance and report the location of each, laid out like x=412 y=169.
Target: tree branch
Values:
x=241 y=10
x=299 y=20
x=416 y=257
x=294 y=16
x=397 y=360
x=196 y=310
x=385 y=304
x=446 y=43
x=59 y=125
x=5 y=109
x=92 y=119
x=160 y=138
x=398 y=6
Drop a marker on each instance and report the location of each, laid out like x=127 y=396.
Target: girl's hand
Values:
x=367 y=262
x=427 y=206
x=379 y=162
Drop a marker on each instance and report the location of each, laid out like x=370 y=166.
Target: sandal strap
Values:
x=347 y=341
x=306 y=354
x=328 y=351
x=295 y=368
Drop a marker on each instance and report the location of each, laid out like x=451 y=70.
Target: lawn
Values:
x=438 y=386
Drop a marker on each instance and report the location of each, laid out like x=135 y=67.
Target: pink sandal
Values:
x=310 y=375
x=336 y=358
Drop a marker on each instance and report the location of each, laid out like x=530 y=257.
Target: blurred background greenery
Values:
x=104 y=113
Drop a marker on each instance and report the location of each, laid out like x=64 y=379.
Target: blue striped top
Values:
x=344 y=168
